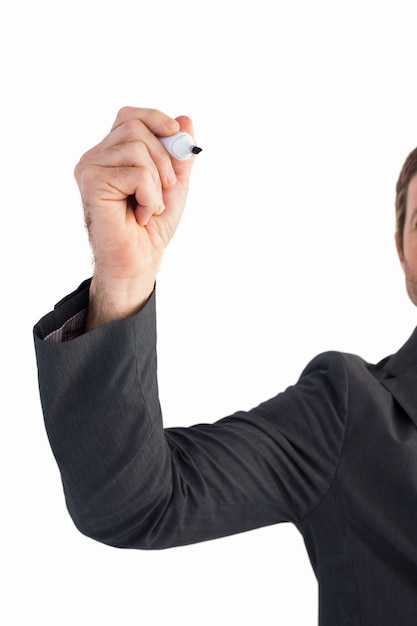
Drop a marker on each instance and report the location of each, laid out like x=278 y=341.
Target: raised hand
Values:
x=133 y=195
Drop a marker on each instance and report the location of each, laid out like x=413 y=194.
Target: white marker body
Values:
x=180 y=146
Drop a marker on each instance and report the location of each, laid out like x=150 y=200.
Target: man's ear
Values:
x=399 y=247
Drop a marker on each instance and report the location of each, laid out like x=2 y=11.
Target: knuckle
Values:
x=132 y=127
x=124 y=112
x=82 y=164
x=141 y=116
x=86 y=177
x=77 y=171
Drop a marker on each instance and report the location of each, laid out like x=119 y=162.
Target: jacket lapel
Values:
x=401 y=376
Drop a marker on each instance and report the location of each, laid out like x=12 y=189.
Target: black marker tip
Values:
x=196 y=150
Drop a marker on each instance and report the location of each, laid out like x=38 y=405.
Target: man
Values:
x=336 y=454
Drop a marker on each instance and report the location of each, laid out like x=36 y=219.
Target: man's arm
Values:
x=128 y=482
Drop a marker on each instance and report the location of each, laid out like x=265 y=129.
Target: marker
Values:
x=180 y=146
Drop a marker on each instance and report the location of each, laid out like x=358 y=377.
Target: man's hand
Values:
x=133 y=195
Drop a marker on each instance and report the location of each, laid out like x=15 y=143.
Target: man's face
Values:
x=408 y=255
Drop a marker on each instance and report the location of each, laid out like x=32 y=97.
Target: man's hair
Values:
x=409 y=169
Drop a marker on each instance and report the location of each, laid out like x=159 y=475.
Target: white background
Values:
x=306 y=112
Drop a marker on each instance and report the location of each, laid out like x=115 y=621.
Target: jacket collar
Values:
x=400 y=376
x=405 y=359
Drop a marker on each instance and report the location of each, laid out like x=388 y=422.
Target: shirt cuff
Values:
x=71 y=329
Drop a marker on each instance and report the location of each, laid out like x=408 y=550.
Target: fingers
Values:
x=157 y=122
x=150 y=124
x=131 y=142
x=131 y=162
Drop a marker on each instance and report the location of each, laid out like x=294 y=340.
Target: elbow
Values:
x=142 y=530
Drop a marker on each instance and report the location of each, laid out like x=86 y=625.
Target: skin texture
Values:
x=408 y=251
x=133 y=195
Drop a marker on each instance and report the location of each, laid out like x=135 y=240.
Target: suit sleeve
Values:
x=129 y=482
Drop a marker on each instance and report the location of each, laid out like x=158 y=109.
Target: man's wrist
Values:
x=114 y=300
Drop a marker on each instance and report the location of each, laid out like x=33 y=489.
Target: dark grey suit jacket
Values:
x=336 y=454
